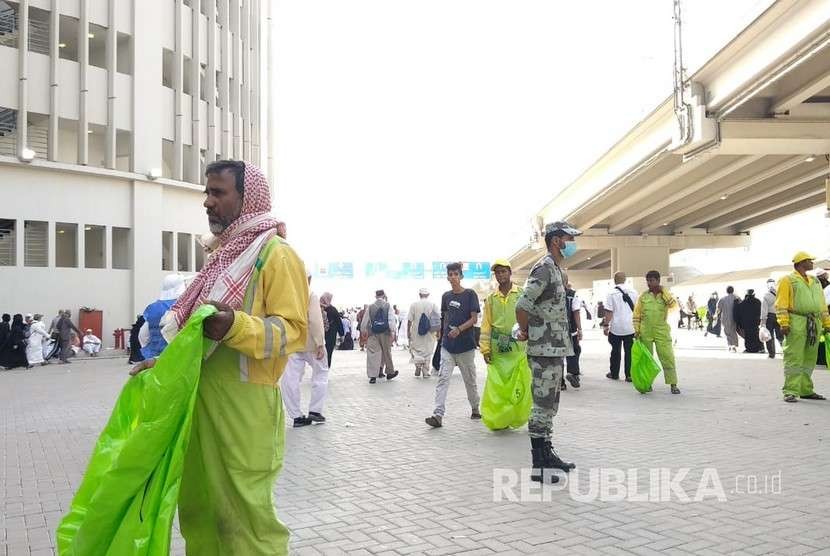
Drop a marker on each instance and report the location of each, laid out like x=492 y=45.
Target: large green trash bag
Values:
x=644 y=369
x=507 y=398
x=127 y=499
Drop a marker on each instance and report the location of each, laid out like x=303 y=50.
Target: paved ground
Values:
x=376 y=479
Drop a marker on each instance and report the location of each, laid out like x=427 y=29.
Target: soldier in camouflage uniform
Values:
x=543 y=321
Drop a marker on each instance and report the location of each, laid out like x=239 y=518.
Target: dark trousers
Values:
x=66 y=350
x=617 y=343
x=775 y=331
x=572 y=361
x=330 y=348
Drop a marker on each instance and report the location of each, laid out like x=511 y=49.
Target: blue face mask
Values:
x=569 y=249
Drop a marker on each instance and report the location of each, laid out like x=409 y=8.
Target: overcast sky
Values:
x=434 y=129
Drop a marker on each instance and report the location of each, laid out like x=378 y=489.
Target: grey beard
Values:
x=216 y=228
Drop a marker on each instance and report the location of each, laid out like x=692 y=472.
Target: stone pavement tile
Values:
x=386 y=475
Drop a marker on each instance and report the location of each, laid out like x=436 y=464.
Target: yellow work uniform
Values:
x=504 y=319
x=799 y=306
x=226 y=503
x=653 y=330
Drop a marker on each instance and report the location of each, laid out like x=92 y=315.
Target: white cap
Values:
x=172 y=287
x=423 y=291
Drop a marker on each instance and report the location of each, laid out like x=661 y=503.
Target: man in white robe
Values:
x=421 y=346
x=91 y=343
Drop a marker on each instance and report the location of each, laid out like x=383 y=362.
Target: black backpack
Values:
x=424 y=325
x=380 y=323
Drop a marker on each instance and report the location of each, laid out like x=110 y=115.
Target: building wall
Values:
x=144 y=208
x=103 y=113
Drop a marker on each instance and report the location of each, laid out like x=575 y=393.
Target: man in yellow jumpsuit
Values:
x=802 y=314
x=652 y=328
x=497 y=345
x=500 y=312
x=258 y=283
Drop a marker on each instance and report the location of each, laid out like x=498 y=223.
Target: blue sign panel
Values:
x=375 y=270
x=477 y=270
x=341 y=270
x=439 y=269
x=407 y=271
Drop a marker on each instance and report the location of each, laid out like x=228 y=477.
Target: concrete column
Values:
x=112 y=64
x=178 y=77
x=19 y=247
x=236 y=89
x=83 y=64
x=194 y=163
x=80 y=245
x=224 y=76
x=22 y=76
x=147 y=226
x=54 y=91
x=636 y=261
x=255 y=82
x=108 y=247
x=270 y=121
x=193 y=245
x=50 y=244
x=147 y=89
x=210 y=84
x=245 y=79
x=174 y=252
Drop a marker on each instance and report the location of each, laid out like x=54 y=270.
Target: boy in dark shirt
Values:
x=459 y=314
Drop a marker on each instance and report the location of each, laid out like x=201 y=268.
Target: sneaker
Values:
x=316 y=417
x=628 y=379
x=789 y=398
x=573 y=380
x=301 y=421
x=675 y=389
x=612 y=377
x=372 y=380
x=417 y=371
x=426 y=374
x=813 y=396
x=434 y=421
x=475 y=415
x=391 y=375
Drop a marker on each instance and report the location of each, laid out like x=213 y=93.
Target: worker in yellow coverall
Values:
x=651 y=326
x=259 y=285
x=802 y=313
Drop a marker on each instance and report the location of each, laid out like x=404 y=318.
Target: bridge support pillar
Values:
x=635 y=261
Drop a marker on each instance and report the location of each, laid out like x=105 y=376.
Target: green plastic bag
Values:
x=644 y=369
x=127 y=499
x=507 y=398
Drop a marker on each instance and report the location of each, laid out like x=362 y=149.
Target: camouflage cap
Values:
x=563 y=227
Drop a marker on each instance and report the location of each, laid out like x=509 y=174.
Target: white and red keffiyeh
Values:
x=229 y=266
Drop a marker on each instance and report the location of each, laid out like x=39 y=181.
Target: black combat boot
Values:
x=541 y=470
x=553 y=461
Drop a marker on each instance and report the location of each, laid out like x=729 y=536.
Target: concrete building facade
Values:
x=116 y=109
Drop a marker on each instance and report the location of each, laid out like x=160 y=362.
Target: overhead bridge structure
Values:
x=755 y=149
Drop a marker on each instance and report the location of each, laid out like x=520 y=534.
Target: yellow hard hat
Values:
x=802 y=256
x=501 y=262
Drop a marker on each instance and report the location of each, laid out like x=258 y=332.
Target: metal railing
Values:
x=10 y=31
